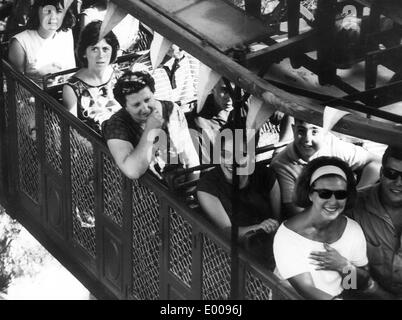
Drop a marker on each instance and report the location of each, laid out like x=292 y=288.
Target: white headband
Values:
x=325 y=170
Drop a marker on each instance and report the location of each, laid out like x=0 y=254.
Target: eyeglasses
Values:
x=326 y=194
x=391 y=173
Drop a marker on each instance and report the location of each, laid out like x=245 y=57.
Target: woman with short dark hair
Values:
x=47 y=46
x=146 y=133
x=88 y=94
x=321 y=251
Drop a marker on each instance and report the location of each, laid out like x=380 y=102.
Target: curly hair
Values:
x=90 y=36
x=132 y=82
x=304 y=189
x=33 y=20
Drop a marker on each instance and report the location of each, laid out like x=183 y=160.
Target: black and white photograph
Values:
x=214 y=151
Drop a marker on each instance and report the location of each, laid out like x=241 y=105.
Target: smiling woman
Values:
x=319 y=248
x=88 y=94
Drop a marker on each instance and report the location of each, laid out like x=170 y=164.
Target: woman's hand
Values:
x=268 y=225
x=154 y=120
x=329 y=259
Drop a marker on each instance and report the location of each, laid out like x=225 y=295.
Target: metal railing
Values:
x=127 y=239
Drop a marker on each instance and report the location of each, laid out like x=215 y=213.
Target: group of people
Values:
x=99 y=90
x=320 y=229
x=329 y=211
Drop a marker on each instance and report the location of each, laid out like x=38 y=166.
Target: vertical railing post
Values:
x=325 y=25
x=239 y=56
x=3 y=140
x=39 y=114
x=293 y=26
x=253 y=7
x=127 y=238
x=12 y=139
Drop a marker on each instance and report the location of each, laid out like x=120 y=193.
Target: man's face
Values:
x=221 y=96
x=308 y=138
x=391 y=183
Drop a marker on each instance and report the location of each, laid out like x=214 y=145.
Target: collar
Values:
x=371 y=197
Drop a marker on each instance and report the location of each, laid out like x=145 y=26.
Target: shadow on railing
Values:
x=125 y=239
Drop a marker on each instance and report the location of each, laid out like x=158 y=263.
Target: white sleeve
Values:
x=353 y=155
x=288 y=256
x=359 y=250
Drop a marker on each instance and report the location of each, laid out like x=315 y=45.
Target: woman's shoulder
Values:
x=286 y=234
x=297 y=223
x=75 y=79
x=352 y=225
x=65 y=35
x=25 y=35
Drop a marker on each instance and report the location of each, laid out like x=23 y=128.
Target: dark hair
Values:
x=303 y=188
x=33 y=20
x=90 y=36
x=391 y=152
x=94 y=3
x=132 y=82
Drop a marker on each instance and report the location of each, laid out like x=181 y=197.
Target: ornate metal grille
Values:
x=146 y=243
x=27 y=148
x=83 y=195
x=53 y=140
x=215 y=271
x=180 y=247
x=112 y=190
x=256 y=289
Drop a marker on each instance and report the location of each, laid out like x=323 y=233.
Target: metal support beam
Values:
x=280 y=50
x=298 y=107
x=325 y=18
x=253 y=7
x=293 y=27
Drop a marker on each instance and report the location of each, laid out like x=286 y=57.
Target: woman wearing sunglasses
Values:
x=320 y=251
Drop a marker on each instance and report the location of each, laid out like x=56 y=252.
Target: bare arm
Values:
x=213 y=207
x=70 y=99
x=17 y=56
x=133 y=162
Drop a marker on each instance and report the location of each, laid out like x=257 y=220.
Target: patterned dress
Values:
x=95 y=104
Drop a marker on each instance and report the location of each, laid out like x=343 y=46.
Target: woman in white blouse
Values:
x=320 y=251
x=47 y=46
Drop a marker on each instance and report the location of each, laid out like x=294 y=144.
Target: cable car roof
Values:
x=209 y=30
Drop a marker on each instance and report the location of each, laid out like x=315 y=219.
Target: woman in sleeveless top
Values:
x=47 y=46
x=88 y=94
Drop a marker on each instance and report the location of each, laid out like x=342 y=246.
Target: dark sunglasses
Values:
x=326 y=194
x=391 y=173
